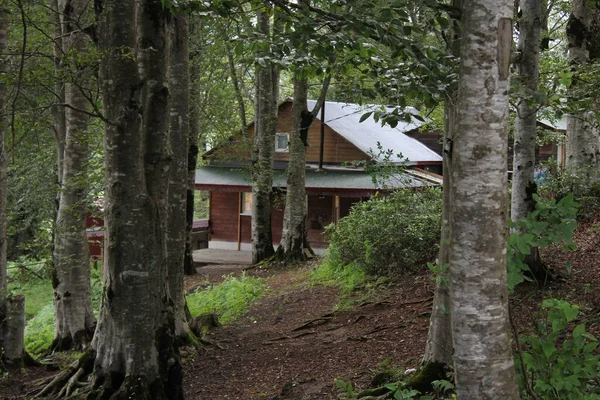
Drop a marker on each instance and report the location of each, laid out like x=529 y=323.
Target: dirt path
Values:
x=293 y=346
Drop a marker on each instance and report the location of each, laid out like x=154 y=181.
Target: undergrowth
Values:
x=39 y=307
x=354 y=284
x=229 y=300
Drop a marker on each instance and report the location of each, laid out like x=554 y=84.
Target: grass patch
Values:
x=229 y=300
x=355 y=285
x=39 y=308
x=39 y=331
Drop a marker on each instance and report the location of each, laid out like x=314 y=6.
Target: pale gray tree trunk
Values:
x=265 y=125
x=74 y=319
x=438 y=349
x=478 y=289
x=134 y=341
x=523 y=185
x=179 y=87
x=294 y=239
x=583 y=133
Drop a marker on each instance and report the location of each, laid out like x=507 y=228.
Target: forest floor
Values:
x=295 y=342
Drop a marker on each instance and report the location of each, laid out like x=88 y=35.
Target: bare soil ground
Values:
x=293 y=344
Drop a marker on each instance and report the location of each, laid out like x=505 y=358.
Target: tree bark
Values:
x=4 y=344
x=583 y=134
x=439 y=350
x=194 y=135
x=478 y=289
x=135 y=352
x=74 y=319
x=265 y=125
x=523 y=185
x=179 y=87
x=294 y=239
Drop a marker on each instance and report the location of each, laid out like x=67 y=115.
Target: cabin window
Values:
x=246 y=203
x=281 y=143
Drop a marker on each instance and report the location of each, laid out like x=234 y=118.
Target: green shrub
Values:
x=551 y=224
x=577 y=181
x=561 y=361
x=39 y=331
x=390 y=235
x=229 y=300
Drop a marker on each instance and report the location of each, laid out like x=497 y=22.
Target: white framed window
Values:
x=246 y=203
x=281 y=143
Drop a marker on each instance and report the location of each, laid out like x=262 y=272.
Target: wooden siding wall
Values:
x=224 y=213
x=336 y=149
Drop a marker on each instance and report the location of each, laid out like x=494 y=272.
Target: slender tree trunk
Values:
x=194 y=134
x=583 y=133
x=264 y=144
x=179 y=87
x=4 y=342
x=478 y=289
x=74 y=319
x=439 y=340
x=523 y=185
x=438 y=350
x=294 y=239
x=237 y=88
x=134 y=342
x=58 y=110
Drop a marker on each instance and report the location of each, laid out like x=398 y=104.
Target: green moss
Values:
x=39 y=331
x=228 y=300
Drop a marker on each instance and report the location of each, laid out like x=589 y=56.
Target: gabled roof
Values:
x=344 y=118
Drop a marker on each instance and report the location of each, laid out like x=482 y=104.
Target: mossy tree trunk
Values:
x=265 y=125
x=192 y=156
x=179 y=87
x=5 y=343
x=135 y=352
x=483 y=357
x=74 y=319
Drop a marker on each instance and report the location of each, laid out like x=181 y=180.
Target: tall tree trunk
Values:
x=192 y=157
x=58 y=110
x=4 y=342
x=265 y=124
x=583 y=134
x=179 y=87
x=134 y=342
x=478 y=289
x=74 y=319
x=294 y=238
x=438 y=350
x=523 y=184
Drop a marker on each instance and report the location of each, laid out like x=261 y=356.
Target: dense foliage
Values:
x=390 y=235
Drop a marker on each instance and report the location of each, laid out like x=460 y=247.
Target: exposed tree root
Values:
x=68 y=380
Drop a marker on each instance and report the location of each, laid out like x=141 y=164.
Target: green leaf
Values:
x=548 y=348
x=366 y=116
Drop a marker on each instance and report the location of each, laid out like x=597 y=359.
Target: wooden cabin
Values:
x=334 y=181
